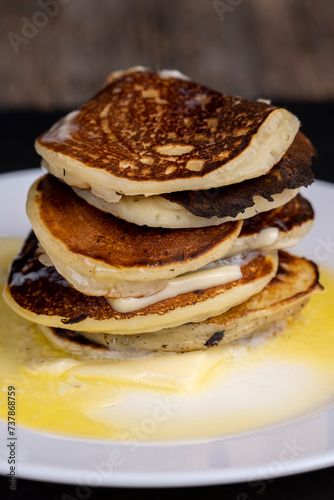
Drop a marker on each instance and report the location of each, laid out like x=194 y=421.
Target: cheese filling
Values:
x=207 y=277
x=265 y=238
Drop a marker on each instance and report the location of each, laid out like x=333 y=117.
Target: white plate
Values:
x=297 y=446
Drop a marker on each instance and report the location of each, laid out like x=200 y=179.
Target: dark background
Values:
x=283 y=50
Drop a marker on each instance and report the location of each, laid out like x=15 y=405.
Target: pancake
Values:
x=40 y=294
x=102 y=255
x=148 y=133
x=158 y=211
x=80 y=345
x=282 y=227
x=208 y=207
x=285 y=295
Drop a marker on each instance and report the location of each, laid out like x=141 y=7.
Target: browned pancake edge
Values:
x=292 y=172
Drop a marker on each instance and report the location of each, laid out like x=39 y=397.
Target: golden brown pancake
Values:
x=150 y=133
x=285 y=295
x=102 y=255
x=215 y=206
x=40 y=294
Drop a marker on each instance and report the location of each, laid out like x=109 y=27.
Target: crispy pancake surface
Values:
x=40 y=294
x=83 y=241
x=292 y=172
x=215 y=206
x=148 y=133
x=286 y=294
x=294 y=214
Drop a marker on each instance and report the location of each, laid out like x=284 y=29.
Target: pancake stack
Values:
x=161 y=223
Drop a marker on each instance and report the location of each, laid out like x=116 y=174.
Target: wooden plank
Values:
x=253 y=48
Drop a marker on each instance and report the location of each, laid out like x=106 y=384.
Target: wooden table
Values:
x=58 y=55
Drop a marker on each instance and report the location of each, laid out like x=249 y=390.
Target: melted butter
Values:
x=265 y=238
x=198 y=280
x=228 y=389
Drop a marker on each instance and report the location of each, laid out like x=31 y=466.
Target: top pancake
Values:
x=151 y=133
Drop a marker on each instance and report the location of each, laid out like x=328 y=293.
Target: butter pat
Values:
x=199 y=280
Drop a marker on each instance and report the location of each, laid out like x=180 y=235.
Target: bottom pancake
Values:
x=296 y=280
